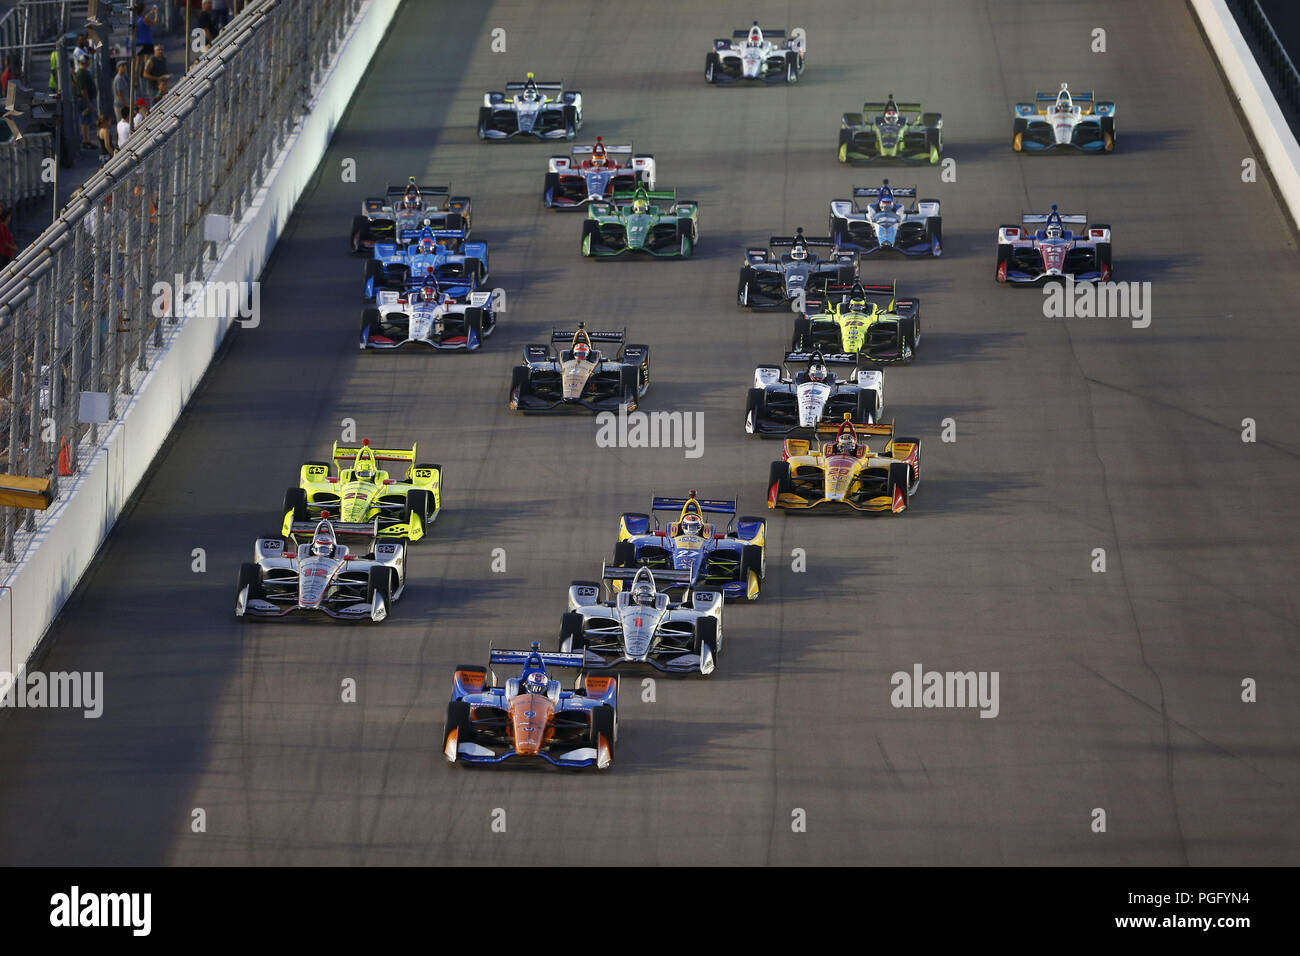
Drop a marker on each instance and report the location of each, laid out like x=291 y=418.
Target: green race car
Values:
x=405 y=502
x=633 y=222
x=890 y=130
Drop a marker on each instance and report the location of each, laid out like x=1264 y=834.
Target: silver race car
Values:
x=782 y=401
x=641 y=626
x=581 y=376
x=323 y=575
x=885 y=224
x=403 y=212
x=757 y=54
x=426 y=316
x=530 y=111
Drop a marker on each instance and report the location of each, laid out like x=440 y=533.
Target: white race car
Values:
x=323 y=575
x=782 y=400
x=886 y=224
x=530 y=111
x=424 y=316
x=755 y=54
x=1064 y=119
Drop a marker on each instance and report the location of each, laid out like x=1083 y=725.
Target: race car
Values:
x=1032 y=256
x=633 y=223
x=782 y=401
x=844 y=474
x=641 y=627
x=1064 y=119
x=459 y=267
x=732 y=560
x=853 y=324
x=403 y=211
x=531 y=718
x=425 y=316
x=580 y=376
x=530 y=111
x=594 y=172
x=757 y=54
x=891 y=130
x=771 y=278
x=885 y=224
x=354 y=582
x=404 y=507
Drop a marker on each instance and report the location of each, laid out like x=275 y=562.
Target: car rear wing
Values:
x=722 y=506
x=871 y=192
x=342 y=453
x=669 y=195
x=566 y=335
x=846 y=358
x=548 y=658
x=342 y=529
x=824 y=429
x=398 y=191
x=877 y=290
x=1072 y=219
x=782 y=242
x=663 y=577
x=588 y=150
x=882 y=105
x=1085 y=101
x=414 y=235
x=548 y=85
x=767 y=34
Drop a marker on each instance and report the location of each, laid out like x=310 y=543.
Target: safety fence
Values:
x=86 y=308
x=1271 y=49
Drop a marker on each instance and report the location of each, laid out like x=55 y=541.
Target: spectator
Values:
x=54 y=70
x=123 y=126
x=121 y=87
x=10 y=73
x=84 y=84
x=155 y=71
x=145 y=21
x=207 y=22
x=141 y=111
x=105 y=137
x=221 y=13
x=8 y=248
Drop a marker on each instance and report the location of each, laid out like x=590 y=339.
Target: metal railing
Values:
x=78 y=314
x=23 y=177
x=1271 y=48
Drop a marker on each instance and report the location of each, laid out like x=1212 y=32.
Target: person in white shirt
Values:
x=123 y=127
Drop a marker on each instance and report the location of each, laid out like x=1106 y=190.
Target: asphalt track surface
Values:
x=1119 y=690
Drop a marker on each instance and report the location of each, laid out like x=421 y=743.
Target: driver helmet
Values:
x=581 y=350
x=363 y=470
x=426 y=247
x=755 y=36
x=891 y=113
x=535 y=682
x=1054 y=230
x=817 y=372
x=799 y=252
x=323 y=546
x=846 y=444
x=530 y=90
x=640 y=205
x=412 y=197
x=644 y=594
x=857 y=302
x=692 y=524
x=598 y=156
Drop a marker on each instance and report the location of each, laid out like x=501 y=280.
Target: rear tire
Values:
x=625 y=555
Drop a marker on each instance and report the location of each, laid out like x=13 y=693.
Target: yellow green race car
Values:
x=405 y=501
x=886 y=331
x=891 y=131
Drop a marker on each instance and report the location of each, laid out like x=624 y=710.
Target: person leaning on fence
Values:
x=105 y=137
x=155 y=71
x=141 y=111
x=84 y=84
x=8 y=248
x=207 y=22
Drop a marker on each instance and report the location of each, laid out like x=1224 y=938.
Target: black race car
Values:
x=580 y=376
x=773 y=277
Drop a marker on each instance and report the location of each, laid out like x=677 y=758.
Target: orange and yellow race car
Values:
x=845 y=473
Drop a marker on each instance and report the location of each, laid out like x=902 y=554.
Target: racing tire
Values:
x=711 y=67
x=375 y=271
x=792 y=69
x=570 y=122
x=755 y=409
x=625 y=555
x=250 y=576
x=1108 y=133
x=866 y=410
x=936 y=235
x=1103 y=259
x=802 y=333
x=629 y=379
x=548 y=190
x=380 y=581
x=475 y=270
x=1018 y=131
x=369 y=323
x=484 y=121
x=590 y=235
x=475 y=321
x=911 y=332
x=933 y=144
x=778 y=481
x=603 y=722
x=419 y=503
x=571 y=634
x=1005 y=259
x=706 y=633
x=751 y=559
x=360 y=231
x=458 y=719
x=743 y=287
x=900 y=476
x=846 y=137
x=518 y=383
x=914 y=478
x=685 y=238
x=295 y=500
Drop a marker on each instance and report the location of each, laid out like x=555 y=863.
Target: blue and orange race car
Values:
x=459 y=267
